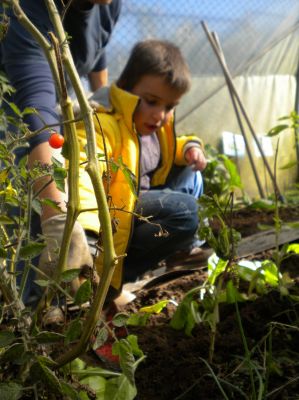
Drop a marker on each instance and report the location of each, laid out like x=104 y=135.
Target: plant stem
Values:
x=93 y=169
x=28 y=232
x=268 y=360
x=215 y=378
x=247 y=352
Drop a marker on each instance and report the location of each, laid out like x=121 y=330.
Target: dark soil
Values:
x=177 y=366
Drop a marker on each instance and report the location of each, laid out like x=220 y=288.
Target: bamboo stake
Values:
x=228 y=77
x=251 y=160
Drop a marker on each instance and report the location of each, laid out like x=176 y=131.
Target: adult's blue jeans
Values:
x=174 y=208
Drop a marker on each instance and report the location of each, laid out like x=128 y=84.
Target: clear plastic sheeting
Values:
x=260 y=42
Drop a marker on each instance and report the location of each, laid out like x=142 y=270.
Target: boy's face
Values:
x=157 y=101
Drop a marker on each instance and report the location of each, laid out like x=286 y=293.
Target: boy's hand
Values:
x=79 y=256
x=195 y=157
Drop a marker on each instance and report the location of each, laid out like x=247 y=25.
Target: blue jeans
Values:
x=174 y=208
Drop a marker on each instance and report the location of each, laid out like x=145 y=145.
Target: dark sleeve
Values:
x=90 y=31
x=29 y=73
x=108 y=22
x=102 y=63
x=35 y=88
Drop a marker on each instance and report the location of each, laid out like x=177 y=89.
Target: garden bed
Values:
x=176 y=364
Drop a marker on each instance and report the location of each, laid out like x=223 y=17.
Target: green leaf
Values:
x=100 y=156
x=42 y=282
x=155 y=308
x=40 y=372
x=289 y=165
x=46 y=361
x=74 y=331
x=65 y=152
x=133 y=340
x=123 y=349
x=29 y=110
x=70 y=274
x=36 y=206
x=84 y=293
x=22 y=165
x=246 y=270
x=56 y=163
x=120 y=319
x=120 y=389
x=74 y=366
x=94 y=371
x=215 y=267
x=51 y=203
x=130 y=177
x=277 y=129
x=68 y=391
x=83 y=395
x=138 y=319
x=49 y=337
x=101 y=338
x=271 y=273
x=232 y=293
x=5 y=220
x=4 y=82
x=96 y=383
x=15 y=109
x=293 y=248
x=3 y=253
x=14 y=354
x=113 y=166
x=4 y=174
x=6 y=338
x=31 y=250
x=284 y=118
x=262 y=204
x=235 y=180
x=59 y=176
x=10 y=391
x=183 y=317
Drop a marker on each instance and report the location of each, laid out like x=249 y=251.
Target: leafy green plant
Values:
x=221 y=175
x=231 y=281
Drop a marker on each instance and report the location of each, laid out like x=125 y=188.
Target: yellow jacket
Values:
x=121 y=140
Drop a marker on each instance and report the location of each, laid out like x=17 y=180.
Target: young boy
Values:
x=137 y=118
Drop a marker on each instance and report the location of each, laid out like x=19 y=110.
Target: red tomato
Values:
x=56 y=140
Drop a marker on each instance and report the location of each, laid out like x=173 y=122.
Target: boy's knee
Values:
x=186 y=180
x=185 y=214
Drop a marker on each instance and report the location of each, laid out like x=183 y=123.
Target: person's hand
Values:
x=79 y=256
x=195 y=157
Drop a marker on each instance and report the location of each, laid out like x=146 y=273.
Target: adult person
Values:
x=89 y=24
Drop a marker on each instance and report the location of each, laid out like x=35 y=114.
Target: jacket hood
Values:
x=116 y=100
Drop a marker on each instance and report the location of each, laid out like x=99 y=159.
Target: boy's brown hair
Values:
x=159 y=58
